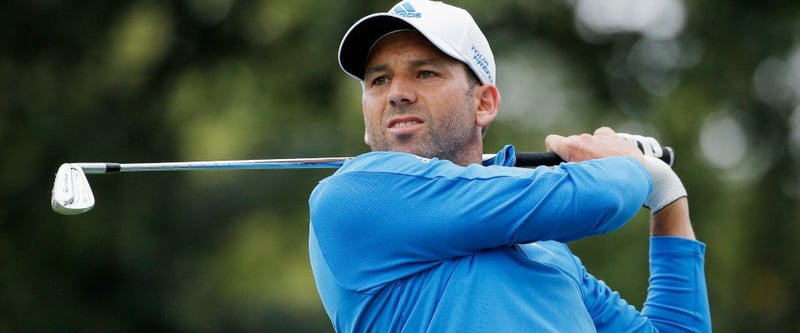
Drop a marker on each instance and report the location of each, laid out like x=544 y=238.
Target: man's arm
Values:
x=673 y=220
x=677 y=296
x=385 y=214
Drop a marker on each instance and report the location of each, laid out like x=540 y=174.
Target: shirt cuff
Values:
x=666 y=245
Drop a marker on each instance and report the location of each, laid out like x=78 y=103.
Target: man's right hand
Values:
x=603 y=143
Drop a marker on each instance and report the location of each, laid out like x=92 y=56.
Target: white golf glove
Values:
x=648 y=145
x=667 y=187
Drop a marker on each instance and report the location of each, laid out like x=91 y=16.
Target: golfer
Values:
x=419 y=235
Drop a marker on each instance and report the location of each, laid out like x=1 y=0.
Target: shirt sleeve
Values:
x=677 y=298
x=386 y=215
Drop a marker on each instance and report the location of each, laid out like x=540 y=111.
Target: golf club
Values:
x=72 y=194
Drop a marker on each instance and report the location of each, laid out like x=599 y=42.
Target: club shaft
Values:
x=523 y=159
x=290 y=163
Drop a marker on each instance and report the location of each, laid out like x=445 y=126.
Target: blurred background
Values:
x=226 y=251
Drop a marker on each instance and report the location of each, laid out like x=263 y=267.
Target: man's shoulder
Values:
x=380 y=160
x=372 y=171
x=398 y=163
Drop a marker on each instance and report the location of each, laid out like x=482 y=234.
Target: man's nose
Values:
x=401 y=91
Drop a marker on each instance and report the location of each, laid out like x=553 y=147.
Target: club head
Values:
x=71 y=192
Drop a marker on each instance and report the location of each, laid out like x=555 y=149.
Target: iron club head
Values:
x=71 y=192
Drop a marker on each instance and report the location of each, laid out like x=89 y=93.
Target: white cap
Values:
x=451 y=29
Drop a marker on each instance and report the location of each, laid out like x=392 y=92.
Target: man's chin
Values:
x=410 y=150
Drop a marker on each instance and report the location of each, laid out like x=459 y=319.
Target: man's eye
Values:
x=380 y=80
x=426 y=74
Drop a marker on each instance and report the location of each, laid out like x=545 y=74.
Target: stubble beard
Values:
x=448 y=138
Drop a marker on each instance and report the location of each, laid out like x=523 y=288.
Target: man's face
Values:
x=418 y=100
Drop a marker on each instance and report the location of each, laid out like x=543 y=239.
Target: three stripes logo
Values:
x=406 y=10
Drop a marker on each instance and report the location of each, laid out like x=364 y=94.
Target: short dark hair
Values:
x=472 y=78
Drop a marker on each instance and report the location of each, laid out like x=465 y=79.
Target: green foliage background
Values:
x=207 y=251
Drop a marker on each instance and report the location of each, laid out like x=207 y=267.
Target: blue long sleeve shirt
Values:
x=400 y=243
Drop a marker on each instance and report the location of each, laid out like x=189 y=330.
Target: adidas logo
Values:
x=406 y=10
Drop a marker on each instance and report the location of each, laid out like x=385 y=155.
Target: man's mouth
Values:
x=404 y=126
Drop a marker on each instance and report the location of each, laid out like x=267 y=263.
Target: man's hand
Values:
x=603 y=143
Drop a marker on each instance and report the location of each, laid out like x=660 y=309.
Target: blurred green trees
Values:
x=146 y=81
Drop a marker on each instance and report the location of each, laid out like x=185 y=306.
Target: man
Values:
x=419 y=236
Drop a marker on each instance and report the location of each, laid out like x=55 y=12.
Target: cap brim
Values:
x=357 y=42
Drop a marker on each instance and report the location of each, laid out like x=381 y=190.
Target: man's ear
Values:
x=488 y=104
